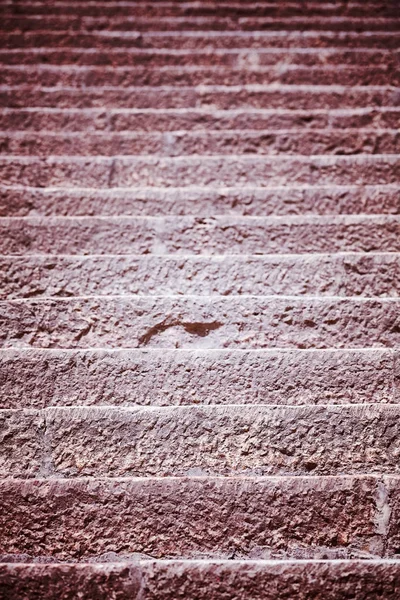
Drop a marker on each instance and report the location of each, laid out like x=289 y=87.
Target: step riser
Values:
x=203 y=40
x=211 y=23
x=228 y=171
x=203 y=580
x=330 y=200
x=223 y=99
x=179 y=76
x=248 y=323
x=183 y=441
x=227 y=9
x=165 y=517
x=125 y=121
x=37 y=378
x=269 y=142
x=222 y=235
x=351 y=275
x=233 y=59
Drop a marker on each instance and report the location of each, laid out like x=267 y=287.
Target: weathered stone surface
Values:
x=77 y=76
x=21 y=443
x=214 y=322
x=135 y=57
x=75 y=22
x=221 y=9
x=224 y=440
x=138 y=171
x=201 y=201
x=180 y=143
x=212 y=97
x=197 y=235
x=195 y=40
x=188 y=517
x=125 y=120
x=40 y=378
x=323 y=275
x=202 y=579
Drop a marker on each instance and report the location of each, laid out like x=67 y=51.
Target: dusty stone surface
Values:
x=125 y=120
x=201 y=201
x=40 y=378
x=232 y=170
x=75 y=22
x=134 y=57
x=212 y=97
x=195 y=579
x=196 y=322
x=165 y=517
x=225 y=440
x=197 y=235
x=322 y=275
x=206 y=9
x=180 y=143
x=121 y=77
x=21 y=443
x=203 y=40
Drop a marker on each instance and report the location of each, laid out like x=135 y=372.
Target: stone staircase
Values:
x=200 y=313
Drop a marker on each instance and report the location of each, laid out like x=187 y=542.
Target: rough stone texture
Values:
x=224 y=440
x=74 y=76
x=135 y=57
x=137 y=171
x=40 y=378
x=212 y=97
x=21 y=443
x=192 y=517
x=201 y=201
x=137 y=120
x=323 y=275
x=222 y=9
x=228 y=340
x=192 y=40
x=175 y=322
x=197 y=235
x=11 y=22
x=180 y=143
x=202 y=580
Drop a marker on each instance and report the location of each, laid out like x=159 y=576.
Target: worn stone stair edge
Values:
x=151 y=580
x=303 y=517
x=345 y=274
x=233 y=439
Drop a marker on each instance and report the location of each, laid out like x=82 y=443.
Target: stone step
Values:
x=203 y=201
x=204 y=579
x=196 y=40
x=198 y=9
x=197 y=235
x=181 y=441
x=233 y=170
x=181 y=143
x=130 y=120
x=11 y=22
x=204 y=97
x=376 y=274
x=37 y=378
x=126 y=77
x=247 y=322
x=207 y=57
x=246 y=517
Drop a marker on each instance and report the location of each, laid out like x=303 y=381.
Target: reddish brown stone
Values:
x=324 y=275
x=234 y=579
x=39 y=378
x=201 y=201
x=190 y=517
x=196 y=322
